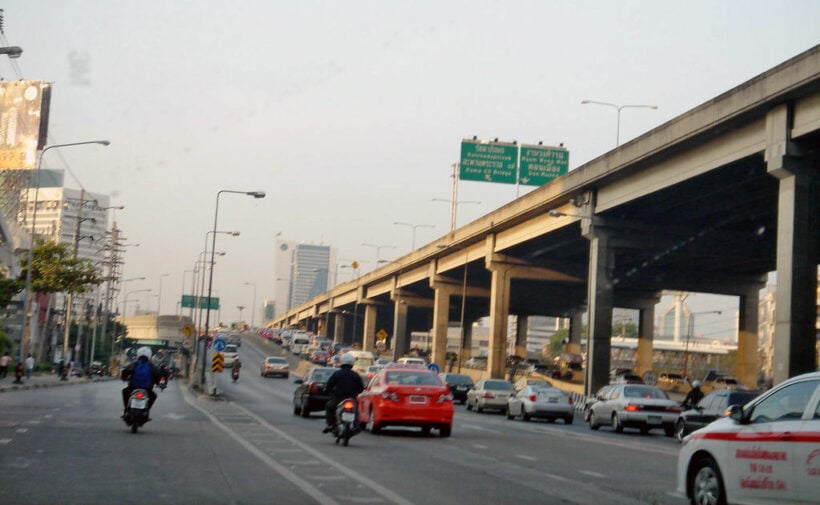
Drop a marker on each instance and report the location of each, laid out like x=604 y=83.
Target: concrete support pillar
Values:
x=338 y=327
x=499 y=312
x=748 y=362
x=576 y=327
x=646 y=330
x=369 y=330
x=401 y=338
x=467 y=341
x=441 y=321
x=600 y=299
x=795 y=333
x=521 y=327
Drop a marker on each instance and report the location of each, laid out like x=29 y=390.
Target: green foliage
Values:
x=556 y=345
x=6 y=345
x=8 y=289
x=55 y=269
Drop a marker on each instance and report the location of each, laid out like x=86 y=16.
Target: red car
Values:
x=407 y=396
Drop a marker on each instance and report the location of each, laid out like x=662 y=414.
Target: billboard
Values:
x=23 y=122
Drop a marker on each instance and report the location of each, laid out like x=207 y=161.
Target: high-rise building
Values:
x=303 y=271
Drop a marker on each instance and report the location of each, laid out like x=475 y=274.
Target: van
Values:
x=364 y=359
x=299 y=342
x=411 y=361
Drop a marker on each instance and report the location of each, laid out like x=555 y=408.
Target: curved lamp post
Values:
x=255 y=194
x=26 y=302
x=618 y=108
x=414 y=227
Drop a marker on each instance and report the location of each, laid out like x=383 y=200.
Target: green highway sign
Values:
x=541 y=164
x=488 y=161
x=197 y=302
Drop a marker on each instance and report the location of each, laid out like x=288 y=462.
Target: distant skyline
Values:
x=350 y=115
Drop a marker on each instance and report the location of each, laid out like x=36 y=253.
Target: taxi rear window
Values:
x=412 y=378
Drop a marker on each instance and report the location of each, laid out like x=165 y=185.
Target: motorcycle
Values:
x=137 y=412
x=346 y=425
x=235 y=374
x=163 y=383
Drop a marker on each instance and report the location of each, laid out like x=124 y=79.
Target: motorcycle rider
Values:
x=693 y=396
x=235 y=369
x=137 y=378
x=344 y=383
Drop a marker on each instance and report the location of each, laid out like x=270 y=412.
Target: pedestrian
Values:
x=29 y=366
x=18 y=373
x=4 y=365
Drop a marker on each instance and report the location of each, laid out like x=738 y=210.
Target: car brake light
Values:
x=532 y=398
x=673 y=409
x=445 y=398
x=569 y=398
x=390 y=395
x=489 y=395
x=314 y=388
x=348 y=405
x=632 y=408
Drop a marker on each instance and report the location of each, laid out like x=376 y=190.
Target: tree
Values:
x=54 y=269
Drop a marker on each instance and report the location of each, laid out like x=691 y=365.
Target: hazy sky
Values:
x=350 y=114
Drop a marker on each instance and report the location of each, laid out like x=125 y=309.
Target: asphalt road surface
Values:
x=67 y=445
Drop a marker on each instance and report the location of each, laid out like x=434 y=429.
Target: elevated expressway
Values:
x=709 y=202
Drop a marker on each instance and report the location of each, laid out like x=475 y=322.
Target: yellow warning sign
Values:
x=217 y=362
x=381 y=335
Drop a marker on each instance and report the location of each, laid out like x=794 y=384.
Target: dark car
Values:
x=319 y=358
x=310 y=395
x=459 y=384
x=711 y=407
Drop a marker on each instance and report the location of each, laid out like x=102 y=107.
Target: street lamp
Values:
x=13 y=52
x=255 y=194
x=379 y=250
x=618 y=108
x=26 y=297
x=125 y=302
x=253 y=306
x=240 y=308
x=414 y=227
x=123 y=283
x=159 y=295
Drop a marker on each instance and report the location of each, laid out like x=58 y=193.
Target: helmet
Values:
x=144 y=351
x=347 y=359
x=696 y=384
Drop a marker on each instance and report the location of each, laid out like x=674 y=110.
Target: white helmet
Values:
x=696 y=384
x=347 y=359
x=144 y=351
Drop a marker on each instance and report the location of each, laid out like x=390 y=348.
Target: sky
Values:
x=349 y=115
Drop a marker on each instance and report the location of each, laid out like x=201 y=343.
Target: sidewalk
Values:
x=45 y=381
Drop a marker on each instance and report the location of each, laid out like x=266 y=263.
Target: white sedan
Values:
x=765 y=452
x=538 y=401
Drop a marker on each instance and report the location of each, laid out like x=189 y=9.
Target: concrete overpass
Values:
x=711 y=201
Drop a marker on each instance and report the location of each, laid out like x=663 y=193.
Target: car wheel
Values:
x=707 y=484
x=478 y=409
x=446 y=430
x=372 y=427
x=586 y=415
x=469 y=406
x=669 y=430
x=509 y=415
x=304 y=409
x=593 y=424
x=680 y=430
x=617 y=427
x=296 y=410
x=568 y=420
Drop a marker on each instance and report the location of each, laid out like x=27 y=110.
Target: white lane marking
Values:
x=48 y=416
x=558 y=477
x=175 y=417
x=372 y=499
x=375 y=486
x=22 y=430
x=480 y=428
x=479 y=446
x=326 y=477
x=592 y=474
x=33 y=421
x=5 y=440
x=524 y=456
x=303 y=462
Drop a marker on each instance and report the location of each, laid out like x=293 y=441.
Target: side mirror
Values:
x=298 y=381
x=736 y=413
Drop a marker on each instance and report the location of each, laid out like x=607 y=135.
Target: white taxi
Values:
x=765 y=452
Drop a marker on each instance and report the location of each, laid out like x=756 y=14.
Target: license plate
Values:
x=348 y=417
x=654 y=420
x=553 y=400
x=139 y=404
x=418 y=399
x=461 y=388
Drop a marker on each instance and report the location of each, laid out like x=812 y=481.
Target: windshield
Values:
x=412 y=378
x=498 y=385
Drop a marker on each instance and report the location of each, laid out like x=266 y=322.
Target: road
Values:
x=68 y=445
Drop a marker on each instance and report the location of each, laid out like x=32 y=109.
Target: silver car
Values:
x=546 y=402
x=489 y=394
x=635 y=406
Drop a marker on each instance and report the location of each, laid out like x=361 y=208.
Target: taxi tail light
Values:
x=532 y=398
x=673 y=409
x=314 y=388
x=632 y=408
x=140 y=395
x=348 y=405
x=488 y=395
x=445 y=398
